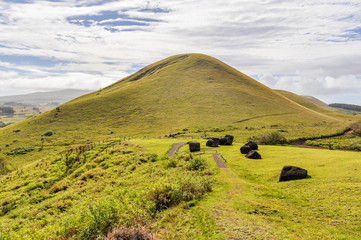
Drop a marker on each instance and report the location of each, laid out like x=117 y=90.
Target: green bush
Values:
x=20 y=150
x=186 y=189
x=48 y=133
x=272 y=138
x=196 y=164
x=217 y=130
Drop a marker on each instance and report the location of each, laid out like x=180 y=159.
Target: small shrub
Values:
x=253 y=138
x=59 y=186
x=217 y=130
x=20 y=151
x=100 y=219
x=48 y=133
x=3 y=167
x=7 y=206
x=34 y=185
x=165 y=196
x=126 y=233
x=17 y=130
x=272 y=138
x=196 y=164
x=171 y=164
x=186 y=189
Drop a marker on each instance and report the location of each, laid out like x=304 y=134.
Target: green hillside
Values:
x=185 y=93
x=316 y=101
x=307 y=103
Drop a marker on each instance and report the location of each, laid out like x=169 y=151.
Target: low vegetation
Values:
x=98 y=190
x=20 y=150
x=348 y=142
x=272 y=138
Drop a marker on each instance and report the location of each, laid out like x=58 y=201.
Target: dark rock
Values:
x=225 y=141
x=230 y=137
x=253 y=145
x=212 y=143
x=292 y=173
x=216 y=140
x=194 y=146
x=245 y=149
x=253 y=155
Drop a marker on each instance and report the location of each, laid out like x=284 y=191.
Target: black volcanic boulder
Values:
x=212 y=143
x=225 y=141
x=245 y=149
x=253 y=155
x=194 y=146
x=216 y=140
x=230 y=137
x=292 y=173
x=253 y=145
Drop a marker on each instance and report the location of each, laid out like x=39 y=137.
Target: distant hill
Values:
x=315 y=101
x=316 y=104
x=350 y=107
x=38 y=98
x=313 y=104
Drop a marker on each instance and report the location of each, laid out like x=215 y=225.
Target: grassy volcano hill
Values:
x=190 y=91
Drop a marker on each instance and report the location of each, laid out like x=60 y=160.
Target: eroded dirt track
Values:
x=175 y=148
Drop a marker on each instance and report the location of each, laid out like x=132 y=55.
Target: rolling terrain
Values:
x=186 y=93
x=42 y=98
x=99 y=165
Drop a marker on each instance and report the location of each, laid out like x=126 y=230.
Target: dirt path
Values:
x=218 y=160
x=175 y=148
x=262 y=116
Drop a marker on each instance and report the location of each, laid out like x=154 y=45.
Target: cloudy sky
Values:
x=310 y=47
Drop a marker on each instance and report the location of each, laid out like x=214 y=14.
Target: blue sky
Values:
x=307 y=47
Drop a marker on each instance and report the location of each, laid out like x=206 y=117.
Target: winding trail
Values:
x=215 y=156
x=218 y=160
x=175 y=148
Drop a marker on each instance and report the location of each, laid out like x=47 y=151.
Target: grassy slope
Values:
x=309 y=104
x=114 y=184
x=315 y=101
x=193 y=91
x=332 y=109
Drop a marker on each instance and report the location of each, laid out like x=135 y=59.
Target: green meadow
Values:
x=119 y=183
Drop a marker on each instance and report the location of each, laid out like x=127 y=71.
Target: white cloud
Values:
x=289 y=44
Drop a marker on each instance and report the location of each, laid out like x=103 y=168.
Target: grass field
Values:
x=50 y=198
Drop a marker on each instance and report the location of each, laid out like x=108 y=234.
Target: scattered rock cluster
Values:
x=214 y=142
x=227 y=140
x=250 y=150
